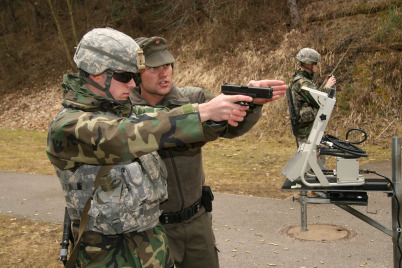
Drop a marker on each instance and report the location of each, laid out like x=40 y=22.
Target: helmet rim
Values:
x=308 y=56
x=104 y=49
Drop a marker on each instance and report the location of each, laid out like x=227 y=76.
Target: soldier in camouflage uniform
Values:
x=305 y=106
x=97 y=130
x=186 y=214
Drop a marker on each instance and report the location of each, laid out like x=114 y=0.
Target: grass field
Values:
x=242 y=166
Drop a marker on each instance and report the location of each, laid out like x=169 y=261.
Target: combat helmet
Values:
x=107 y=50
x=308 y=56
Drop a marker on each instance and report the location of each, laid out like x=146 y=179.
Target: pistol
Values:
x=254 y=92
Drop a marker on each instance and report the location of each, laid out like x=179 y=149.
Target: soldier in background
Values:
x=186 y=214
x=305 y=107
x=302 y=106
x=104 y=156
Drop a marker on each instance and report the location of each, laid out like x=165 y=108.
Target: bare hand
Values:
x=224 y=108
x=330 y=82
x=278 y=86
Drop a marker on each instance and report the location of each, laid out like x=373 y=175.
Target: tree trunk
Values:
x=72 y=21
x=60 y=32
x=294 y=13
x=12 y=13
x=8 y=47
x=35 y=16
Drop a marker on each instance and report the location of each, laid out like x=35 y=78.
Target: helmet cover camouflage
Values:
x=105 y=48
x=308 y=56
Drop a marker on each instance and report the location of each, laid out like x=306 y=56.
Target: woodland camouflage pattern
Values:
x=306 y=107
x=92 y=131
x=145 y=249
x=87 y=134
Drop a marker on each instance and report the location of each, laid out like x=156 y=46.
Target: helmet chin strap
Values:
x=308 y=68
x=107 y=83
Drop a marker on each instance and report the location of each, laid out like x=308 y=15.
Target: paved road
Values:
x=250 y=231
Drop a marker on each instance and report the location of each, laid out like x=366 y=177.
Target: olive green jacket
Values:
x=184 y=163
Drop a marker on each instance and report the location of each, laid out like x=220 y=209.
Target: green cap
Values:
x=156 y=52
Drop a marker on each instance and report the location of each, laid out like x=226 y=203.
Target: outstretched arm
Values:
x=224 y=108
x=278 y=87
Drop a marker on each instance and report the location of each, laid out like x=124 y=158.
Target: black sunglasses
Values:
x=124 y=77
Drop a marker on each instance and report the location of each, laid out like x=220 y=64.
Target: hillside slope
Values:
x=233 y=42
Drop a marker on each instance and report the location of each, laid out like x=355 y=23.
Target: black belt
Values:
x=180 y=216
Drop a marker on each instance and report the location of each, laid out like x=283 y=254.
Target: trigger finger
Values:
x=244 y=106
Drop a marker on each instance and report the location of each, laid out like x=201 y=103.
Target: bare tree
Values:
x=35 y=18
x=8 y=47
x=60 y=33
x=72 y=21
x=294 y=13
x=9 y=3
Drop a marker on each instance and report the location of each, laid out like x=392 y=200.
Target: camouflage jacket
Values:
x=184 y=163
x=306 y=107
x=92 y=131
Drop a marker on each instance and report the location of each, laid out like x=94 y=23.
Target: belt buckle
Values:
x=171 y=217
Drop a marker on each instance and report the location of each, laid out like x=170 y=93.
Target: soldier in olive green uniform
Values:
x=187 y=214
x=305 y=106
x=97 y=132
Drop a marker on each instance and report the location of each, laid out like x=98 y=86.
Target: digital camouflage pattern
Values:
x=105 y=48
x=306 y=107
x=92 y=131
x=88 y=134
x=145 y=249
x=308 y=56
x=127 y=199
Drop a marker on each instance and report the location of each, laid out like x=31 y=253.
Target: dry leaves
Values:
x=34 y=110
